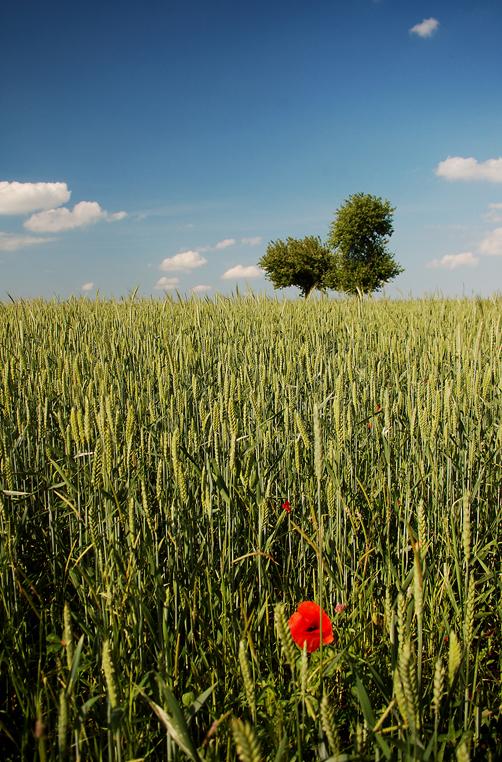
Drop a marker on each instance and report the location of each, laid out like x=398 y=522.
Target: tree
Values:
x=298 y=262
x=359 y=236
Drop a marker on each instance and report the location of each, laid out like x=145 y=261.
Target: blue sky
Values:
x=162 y=145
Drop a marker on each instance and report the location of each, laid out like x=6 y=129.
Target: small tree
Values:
x=359 y=235
x=298 y=262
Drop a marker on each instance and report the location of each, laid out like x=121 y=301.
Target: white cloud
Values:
x=225 y=243
x=11 y=242
x=492 y=243
x=166 y=284
x=201 y=289
x=87 y=286
x=452 y=261
x=240 y=271
x=23 y=198
x=182 y=262
x=458 y=168
x=84 y=213
x=426 y=28
x=494 y=213
x=116 y=216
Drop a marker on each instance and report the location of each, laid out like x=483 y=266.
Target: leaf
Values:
x=280 y=755
x=84 y=709
x=74 y=665
x=199 y=702
x=361 y=694
x=175 y=724
x=53 y=643
x=369 y=716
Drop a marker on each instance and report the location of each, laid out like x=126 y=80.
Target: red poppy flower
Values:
x=287 y=506
x=305 y=626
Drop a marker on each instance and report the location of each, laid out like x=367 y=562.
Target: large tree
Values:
x=303 y=262
x=359 y=236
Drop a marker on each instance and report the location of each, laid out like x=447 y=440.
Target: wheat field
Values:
x=148 y=567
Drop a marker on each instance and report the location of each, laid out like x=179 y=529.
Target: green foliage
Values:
x=359 y=235
x=297 y=262
x=355 y=259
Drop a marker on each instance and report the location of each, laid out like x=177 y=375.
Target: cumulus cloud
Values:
x=83 y=214
x=459 y=168
x=201 y=289
x=492 y=243
x=254 y=241
x=225 y=243
x=166 y=284
x=241 y=271
x=11 y=242
x=426 y=28
x=23 y=198
x=183 y=262
x=452 y=261
x=87 y=286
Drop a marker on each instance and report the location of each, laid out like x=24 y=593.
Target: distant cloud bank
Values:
x=464 y=169
x=225 y=243
x=191 y=259
x=452 y=261
x=492 y=243
x=44 y=202
x=494 y=213
x=167 y=284
x=426 y=28
x=13 y=242
x=241 y=271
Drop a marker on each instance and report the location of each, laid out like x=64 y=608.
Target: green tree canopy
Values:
x=359 y=236
x=303 y=262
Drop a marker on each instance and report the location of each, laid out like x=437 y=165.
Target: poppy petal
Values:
x=297 y=628
x=310 y=611
x=312 y=640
